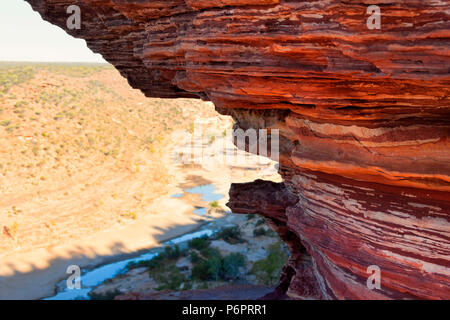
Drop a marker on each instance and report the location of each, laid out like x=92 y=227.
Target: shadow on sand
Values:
x=36 y=276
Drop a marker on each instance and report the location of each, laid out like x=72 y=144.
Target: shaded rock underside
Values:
x=364 y=120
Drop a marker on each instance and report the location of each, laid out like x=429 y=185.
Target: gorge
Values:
x=363 y=118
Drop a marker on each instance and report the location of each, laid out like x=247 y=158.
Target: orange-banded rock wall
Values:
x=363 y=115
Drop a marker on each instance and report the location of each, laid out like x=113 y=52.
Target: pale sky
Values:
x=24 y=36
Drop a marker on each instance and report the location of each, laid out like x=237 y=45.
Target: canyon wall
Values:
x=363 y=115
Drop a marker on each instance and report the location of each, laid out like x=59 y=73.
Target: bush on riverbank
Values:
x=170 y=277
x=202 y=264
x=170 y=253
x=211 y=265
x=232 y=235
x=267 y=271
x=199 y=243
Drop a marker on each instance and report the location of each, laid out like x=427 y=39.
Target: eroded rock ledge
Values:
x=364 y=120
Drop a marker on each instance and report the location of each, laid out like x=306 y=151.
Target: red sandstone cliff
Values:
x=364 y=120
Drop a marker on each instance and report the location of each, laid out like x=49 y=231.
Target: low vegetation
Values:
x=14 y=74
x=199 y=243
x=231 y=235
x=260 y=232
x=208 y=265
x=110 y=295
x=64 y=124
x=214 y=204
x=267 y=270
x=81 y=114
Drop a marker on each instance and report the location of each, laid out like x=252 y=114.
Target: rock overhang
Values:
x=363 y=114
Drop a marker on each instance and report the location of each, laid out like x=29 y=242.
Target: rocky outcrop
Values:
x=363 y=116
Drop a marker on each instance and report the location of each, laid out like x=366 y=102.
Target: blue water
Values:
x=97 y=276
x=200 y=211
x=177 y=195
x=207 y=192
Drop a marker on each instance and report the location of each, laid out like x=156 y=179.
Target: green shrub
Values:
x=231 y=265
x=164 y=271
x=260 y=222
x=35 y=150
x=215 y=267
x=214 y=204
x=194 y=257
x=132 y=215
x=267 y=271
x=5 y=123
x=209 y=267
x=199 y=243
x=231 y=235
x=150 y=264
x=11 y=128
x=200 y=271
x=169 y=253
x=169 y=277
x=259 y=232
x=172 y=252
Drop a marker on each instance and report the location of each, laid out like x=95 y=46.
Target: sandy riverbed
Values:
x=33 y=274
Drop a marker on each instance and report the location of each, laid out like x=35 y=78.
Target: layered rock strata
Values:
x=363 y=116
